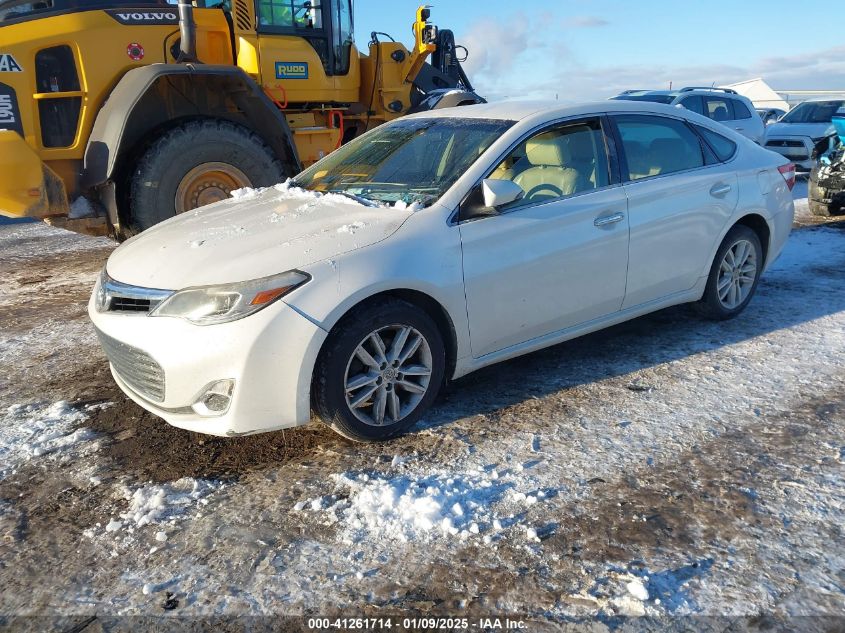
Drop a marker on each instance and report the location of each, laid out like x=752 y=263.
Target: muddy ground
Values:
x=701 y=462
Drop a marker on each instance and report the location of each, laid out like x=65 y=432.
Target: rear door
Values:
x=679 y=199
x=747 y=122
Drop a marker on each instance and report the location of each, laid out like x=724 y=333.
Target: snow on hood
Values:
x=256 y=233
x=810 y=130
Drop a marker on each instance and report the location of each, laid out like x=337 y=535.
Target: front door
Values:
x=557 y=257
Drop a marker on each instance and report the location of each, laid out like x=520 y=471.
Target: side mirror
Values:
x=483 y=200
x=498 y=193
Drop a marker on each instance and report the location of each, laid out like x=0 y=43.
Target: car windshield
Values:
x=813 y=112
x=648 y=97
x=408 y=160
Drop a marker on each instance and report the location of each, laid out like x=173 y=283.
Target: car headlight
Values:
x=205 y=305
x=101 y=296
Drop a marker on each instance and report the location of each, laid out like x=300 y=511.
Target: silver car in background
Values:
x=724 y=105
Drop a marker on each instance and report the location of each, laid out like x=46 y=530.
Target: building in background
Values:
x=764 y=96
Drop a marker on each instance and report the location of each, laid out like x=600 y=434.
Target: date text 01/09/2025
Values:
x=413 y=624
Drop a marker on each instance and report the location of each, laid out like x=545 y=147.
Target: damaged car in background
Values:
x=803 y=131
x=827 y=180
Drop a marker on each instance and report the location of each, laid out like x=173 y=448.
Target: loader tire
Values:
x=195 y=164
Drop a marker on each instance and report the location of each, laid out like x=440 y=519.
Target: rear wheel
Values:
x=734 y=275
x=195 y=164
x=379 y=371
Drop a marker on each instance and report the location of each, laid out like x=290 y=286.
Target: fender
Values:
x=149 y=99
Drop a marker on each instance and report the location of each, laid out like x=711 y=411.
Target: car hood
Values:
x=255 y=234
x=811 y=130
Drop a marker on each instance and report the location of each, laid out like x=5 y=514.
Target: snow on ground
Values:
x=159 y=505
x=802 y=204
x=440 y=504
x=668 y=466
x=29 y=431
x=36 y=240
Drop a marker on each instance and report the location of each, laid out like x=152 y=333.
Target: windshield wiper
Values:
x=367 y=202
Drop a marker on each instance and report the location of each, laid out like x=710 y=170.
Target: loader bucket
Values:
x=28 y=188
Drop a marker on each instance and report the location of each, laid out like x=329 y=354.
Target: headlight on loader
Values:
x=206 y=305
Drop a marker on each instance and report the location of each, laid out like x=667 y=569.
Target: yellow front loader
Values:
x=116 y=115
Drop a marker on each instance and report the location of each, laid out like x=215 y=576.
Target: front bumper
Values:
x=270 y=355
x=799 y=150
x=827 y=188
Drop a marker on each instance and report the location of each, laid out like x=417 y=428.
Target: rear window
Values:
x=719 y=109
x=740 y=110
x=655 y=145
x=723 y=147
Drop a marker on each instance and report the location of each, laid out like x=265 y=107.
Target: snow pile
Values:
x=288 y=191
x=435 y=505
x=82 y=207
x=152 y=504
x=36 y=430
x=401 y=205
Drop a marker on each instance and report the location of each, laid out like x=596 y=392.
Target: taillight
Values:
x=788 y=173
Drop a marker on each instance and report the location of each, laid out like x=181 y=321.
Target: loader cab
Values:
x=325 y=24
x=306 y=51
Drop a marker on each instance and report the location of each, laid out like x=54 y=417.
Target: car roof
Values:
x=549 y=110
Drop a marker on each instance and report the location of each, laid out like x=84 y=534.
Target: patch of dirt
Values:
x=145 y=447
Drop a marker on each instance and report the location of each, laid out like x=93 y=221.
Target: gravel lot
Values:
x=665 y=467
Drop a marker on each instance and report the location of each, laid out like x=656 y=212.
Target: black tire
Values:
x=163 y=166
x=329 y=384
x=710 y=306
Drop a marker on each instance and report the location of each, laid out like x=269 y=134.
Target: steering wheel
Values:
x=555 y=192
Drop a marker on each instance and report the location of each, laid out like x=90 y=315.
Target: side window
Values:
x=719 y=109
x=300 y=14
x=655 y=145
x=562 y=161
x=342 y=27
x=724 y=148
x=741 y=111
x=693 y=104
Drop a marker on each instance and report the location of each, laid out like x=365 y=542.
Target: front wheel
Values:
x=379 y=371
x=734 y=275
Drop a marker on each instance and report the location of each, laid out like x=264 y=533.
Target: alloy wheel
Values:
x=737 y=273
x=388 y=375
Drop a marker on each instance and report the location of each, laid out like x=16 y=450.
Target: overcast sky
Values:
x=593 y=49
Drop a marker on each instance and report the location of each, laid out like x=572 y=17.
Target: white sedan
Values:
x=429 y=247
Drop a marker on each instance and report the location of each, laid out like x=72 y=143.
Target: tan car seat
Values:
x=547 y=178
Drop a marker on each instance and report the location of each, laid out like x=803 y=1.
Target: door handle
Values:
x=609 y=219
x=719 y=189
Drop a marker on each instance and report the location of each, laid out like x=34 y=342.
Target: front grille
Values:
x=785 y=144
x=136 y=368
x=114 y=296
x=128 y=304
